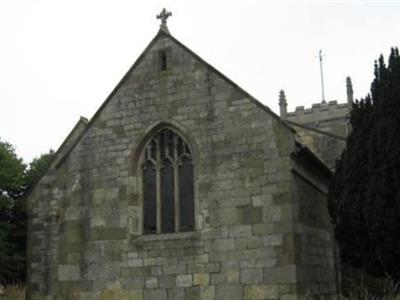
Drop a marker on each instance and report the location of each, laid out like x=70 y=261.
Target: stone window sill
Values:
x=168 y=236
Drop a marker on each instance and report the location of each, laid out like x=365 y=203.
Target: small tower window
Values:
x=163 y=61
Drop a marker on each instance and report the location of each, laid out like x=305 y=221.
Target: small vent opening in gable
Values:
x=163 y=61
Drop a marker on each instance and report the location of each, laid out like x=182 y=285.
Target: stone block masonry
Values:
x=86 y=236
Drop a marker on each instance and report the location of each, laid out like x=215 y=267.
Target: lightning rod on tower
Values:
x=322 y=76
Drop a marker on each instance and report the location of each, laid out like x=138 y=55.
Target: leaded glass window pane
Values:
x=167 y=198
x=149 y=195
x=186 y=195
x=168 y=193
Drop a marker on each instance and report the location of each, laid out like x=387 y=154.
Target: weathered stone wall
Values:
x=315 y=243
x=85 y=221
x=44 y=220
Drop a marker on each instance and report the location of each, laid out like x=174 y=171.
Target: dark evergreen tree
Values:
x=364 y=196
x=11 y=182
x=15 y=181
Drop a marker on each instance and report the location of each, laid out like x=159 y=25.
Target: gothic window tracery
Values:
x=167 y=180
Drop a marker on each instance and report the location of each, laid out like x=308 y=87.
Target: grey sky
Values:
x=60 y=59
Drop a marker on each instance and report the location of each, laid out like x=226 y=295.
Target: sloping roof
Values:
x=316 y=130
x=60 y=157
x=303 y=150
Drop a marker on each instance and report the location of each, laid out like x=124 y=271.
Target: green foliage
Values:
x=15 y=180
x=37 y=167
x=364 y=197
x=12 y=169
x=11 y=182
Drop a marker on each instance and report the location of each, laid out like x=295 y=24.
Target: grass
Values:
x=387 y=290
x=390 y=291
x=13 y=292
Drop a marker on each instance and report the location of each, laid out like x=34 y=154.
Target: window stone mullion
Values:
x=176 y=184
x=158 y=186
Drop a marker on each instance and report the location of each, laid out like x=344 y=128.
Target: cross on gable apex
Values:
x=163 y=16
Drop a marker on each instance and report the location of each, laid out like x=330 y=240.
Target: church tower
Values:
x=323 y=127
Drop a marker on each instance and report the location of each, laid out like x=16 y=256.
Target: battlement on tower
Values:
x=319 y=112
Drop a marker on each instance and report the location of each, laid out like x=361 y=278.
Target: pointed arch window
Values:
x=167 y=180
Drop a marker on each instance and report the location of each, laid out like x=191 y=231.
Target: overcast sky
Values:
x=59 y=60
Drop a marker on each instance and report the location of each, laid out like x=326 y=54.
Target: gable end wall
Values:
x=85 y=224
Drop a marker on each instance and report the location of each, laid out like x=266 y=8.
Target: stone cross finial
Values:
x=163 y=16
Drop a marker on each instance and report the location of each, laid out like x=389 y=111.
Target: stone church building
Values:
x=181 y=186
